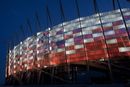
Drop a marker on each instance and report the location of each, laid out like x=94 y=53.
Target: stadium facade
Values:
x=99 y=37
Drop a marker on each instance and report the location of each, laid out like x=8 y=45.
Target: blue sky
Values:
x=13 y=13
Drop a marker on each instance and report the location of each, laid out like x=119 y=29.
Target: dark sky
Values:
x=14 y=13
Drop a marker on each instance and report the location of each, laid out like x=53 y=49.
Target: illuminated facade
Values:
x=98 y=37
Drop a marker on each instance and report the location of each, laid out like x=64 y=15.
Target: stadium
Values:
x=95 y=48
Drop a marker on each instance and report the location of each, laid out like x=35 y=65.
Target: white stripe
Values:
x=107 y=25
x=77 y=34
x=76 y=26
x=90 y=22
x=58 y=29
x=38 y=39
x=126 y=14
x=111 y=20
x=52 y=33
x=59 y=37
x=125 y=9
x=88 y=40
x=70 y=52
x=91 y=28
x=79 y=46
x=50 y=48
x=69 y=44
x=69 y=33
x=117 y=19
x=97 y=34
x=111 y=32
x=69 y=40
x=128 y=22
x=111 y=41
x=83 y=25
x=29 y=38
x=124 y=49
x=111 y=16
x=38 y=33
x=87 y=32
x=39 y=45
x=30 y=51
x=60 y=49
x=68 y=28
x=119 y=26
x=25 y=65
x=128 y=25
x=14 y=61
x=38 y=51
x=30 y=58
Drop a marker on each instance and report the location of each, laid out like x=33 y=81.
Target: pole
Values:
x=123 y=18
x=49 y=20
x=29 y=26
x=78 y=13
x=113 y=2
x=109 y=63
x=63 y=18
x=38 y=24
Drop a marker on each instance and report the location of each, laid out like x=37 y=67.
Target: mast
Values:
x=37 y=21
x=63 y=19
x=123 y=18
x=96 y=10
x=85 y=50
x=29 y=26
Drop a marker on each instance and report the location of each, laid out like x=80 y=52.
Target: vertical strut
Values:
x=109 y=63
x=63 y=18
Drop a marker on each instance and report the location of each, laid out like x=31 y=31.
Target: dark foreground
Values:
x=94 y=74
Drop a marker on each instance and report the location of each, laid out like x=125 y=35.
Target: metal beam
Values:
x=96 y=9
